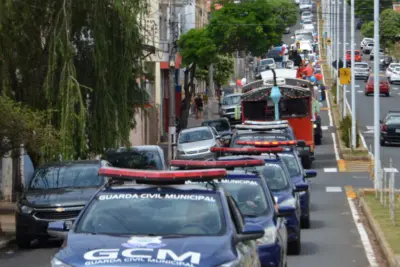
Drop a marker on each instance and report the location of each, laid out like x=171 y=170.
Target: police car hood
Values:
x=106 y=250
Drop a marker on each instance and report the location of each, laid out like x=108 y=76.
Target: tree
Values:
x=367 y=29
x=223 y=69
x=250 y=26
x=389 y=26
x=56 y=52
x=364 y=9
x=20 y=125
x=197 y=50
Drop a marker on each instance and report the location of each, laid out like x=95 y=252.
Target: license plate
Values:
x=397 y=130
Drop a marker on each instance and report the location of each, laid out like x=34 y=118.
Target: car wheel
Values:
x=306 y=222
x=23 y=241
x=306 y=162
x=295 y=246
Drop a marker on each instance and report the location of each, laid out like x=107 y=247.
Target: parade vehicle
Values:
x=298 y=174
x=278 y=179
x=172 y=223
x=256 y=203
x=56 y=191
x=295 y=105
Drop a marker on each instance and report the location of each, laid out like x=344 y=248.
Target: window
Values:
x=153 y=213
x=275 y=177
x=195 y=136
x=361 y=66
x=292 y=164
x=249 y=196
x=293 y=107
x=231 y=100
x=67 y=176
x=134 y=159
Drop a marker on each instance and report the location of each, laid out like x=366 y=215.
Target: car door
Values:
x=280 y=225
x=215 y=134
x=247 y=250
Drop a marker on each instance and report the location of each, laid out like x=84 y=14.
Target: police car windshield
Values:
x=135 y=160
x=271 y=136
x=219 y=125
x=291 y=163
x=149 y=212
x=249 y=195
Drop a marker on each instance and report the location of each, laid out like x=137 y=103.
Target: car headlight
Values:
x=315 y=126
x=268 y=238
x=290 y=202
x=235 y=263
x=57 y=263
x=25 y=209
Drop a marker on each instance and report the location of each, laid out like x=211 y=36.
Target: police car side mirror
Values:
x=310 y=173
x=286 y=212
x=301 y=143
x=251 y=231
x=58 y=229
x=301 y=187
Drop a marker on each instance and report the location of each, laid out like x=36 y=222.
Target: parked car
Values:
x=395 y=76
x=305 y=5
x=390 y=128
x=390 y=69
x=195 y=143
x=269 y=62
x=137 y=157
x=366 y=41
x=306 y=15
x=384 y=87
x=361 y=70
x=56 y=192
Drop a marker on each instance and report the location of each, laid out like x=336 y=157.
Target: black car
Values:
x=275 y=54
x=390 y=128
x=56 y=192
x=359 y=24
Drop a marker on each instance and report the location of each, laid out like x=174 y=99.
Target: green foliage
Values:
x=345 y=132
x=20 y=125
x=196 y=46
x=251 y=26
x=64 y=50
x=223 y=69
x=367 y=29
x=389 y=26
x=364 y=9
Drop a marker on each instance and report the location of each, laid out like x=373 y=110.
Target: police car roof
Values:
x=249 y=157
x=198 y=187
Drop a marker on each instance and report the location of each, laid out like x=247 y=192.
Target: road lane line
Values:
x=330 y=169
x=363 y=140
x=330 y=111
x=335 y=147
x=333 y=189
x=360 y=91
x=324 y=128
x=360 y=227
x=348 y=106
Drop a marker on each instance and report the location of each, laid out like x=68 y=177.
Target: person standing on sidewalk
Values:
x=199 y=107
x=285 y=55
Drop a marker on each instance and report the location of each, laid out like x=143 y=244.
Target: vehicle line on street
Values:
x=351 y=195
x=337 y=157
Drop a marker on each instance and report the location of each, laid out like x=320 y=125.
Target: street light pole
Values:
x=275 y=96
x=344 y=56
x=376 y=93
x=353 y=81
x=171 y=111
x=337 y=56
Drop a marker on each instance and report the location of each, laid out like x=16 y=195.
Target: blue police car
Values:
x=257 y=205
x=279 y=182
x=151 y=218
x=299 y=176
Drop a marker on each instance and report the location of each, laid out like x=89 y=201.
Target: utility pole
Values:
x=172 y=53
x=376 y=94
x=344 y=56
x=353 y=80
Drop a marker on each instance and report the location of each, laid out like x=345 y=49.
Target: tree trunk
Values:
x=189 y=90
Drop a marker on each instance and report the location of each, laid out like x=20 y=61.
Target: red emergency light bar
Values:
x=144 y=175
x=247 y=150
x=267 y=143
x=217 y=164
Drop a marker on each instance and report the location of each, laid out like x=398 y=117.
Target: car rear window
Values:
x=361 y=66
x=135 y=159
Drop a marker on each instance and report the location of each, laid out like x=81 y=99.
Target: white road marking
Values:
x=348 y=106
x=356 y=85
x=324 y=128
x=360 y=91
x=335 y=146
x=329 y=109
x=394 y=88
x=398 y=93
x=370 y=130
x=330 y=169
x=370 y=127
x=333 y=189
x=363 y=140
x=363 y=234
x=347 y=91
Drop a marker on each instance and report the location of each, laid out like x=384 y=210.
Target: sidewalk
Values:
x=7 y=223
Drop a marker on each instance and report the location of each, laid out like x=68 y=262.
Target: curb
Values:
x=394 y=260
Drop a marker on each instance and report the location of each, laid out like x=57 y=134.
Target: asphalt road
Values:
x=332 y=241
x=365 y=104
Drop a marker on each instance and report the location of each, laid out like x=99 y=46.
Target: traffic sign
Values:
x=328 y=41
x=345 y=76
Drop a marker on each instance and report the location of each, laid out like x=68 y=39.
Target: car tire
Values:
x=306 y=222
x=382 y=142
x=294 y=247
x=23 y=241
